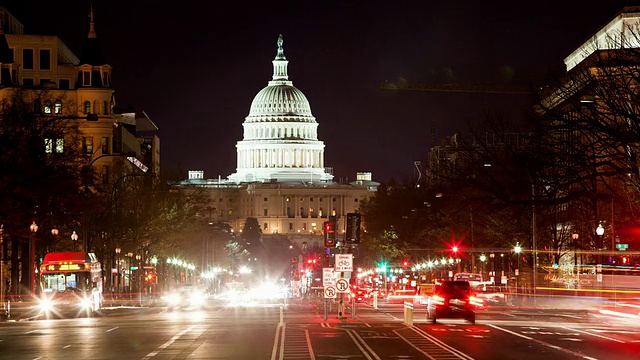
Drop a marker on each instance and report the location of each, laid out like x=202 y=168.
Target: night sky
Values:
x=195 y=66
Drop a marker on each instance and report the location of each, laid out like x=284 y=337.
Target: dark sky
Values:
x=195 y=66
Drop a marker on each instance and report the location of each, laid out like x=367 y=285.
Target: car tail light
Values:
x=476 y=301
x=437 y=300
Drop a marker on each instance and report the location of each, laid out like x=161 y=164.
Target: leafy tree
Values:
x=40 y=163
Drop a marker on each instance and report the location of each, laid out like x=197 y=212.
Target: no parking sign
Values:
x=330 y=292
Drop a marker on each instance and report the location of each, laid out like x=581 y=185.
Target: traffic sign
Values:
x=328 y=277
x=622 y=246
x=342 y=285
x=344 y=262
x=330 y=292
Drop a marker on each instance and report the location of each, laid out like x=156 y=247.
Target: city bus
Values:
x=70 y=284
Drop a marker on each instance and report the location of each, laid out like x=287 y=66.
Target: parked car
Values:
x=454 y=300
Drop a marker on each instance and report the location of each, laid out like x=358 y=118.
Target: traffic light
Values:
x=405 y=263
x=329 y=233
x=625 y=260
x=352 y=234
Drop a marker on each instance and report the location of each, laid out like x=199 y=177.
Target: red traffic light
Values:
x=405 y=263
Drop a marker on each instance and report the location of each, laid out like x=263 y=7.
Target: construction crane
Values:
x=467 y=88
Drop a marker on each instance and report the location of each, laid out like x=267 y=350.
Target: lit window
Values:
x=57 y=107
x=88 y=145
x=47 y=107
x=87 y=107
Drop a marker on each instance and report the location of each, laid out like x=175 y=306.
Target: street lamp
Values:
x=139 y=277
x=517 y=249
x=2 y=307
x=130 y=154
x=118 y=269
x=54 y=232
x=483 y=258
x=600 y=233
x=74 y=239
x=32 y=256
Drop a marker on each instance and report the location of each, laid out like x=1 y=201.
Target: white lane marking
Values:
x=596 y=335
x=66 y=347
x=278 y=336
x=117 y=327
x=306 y=335
x=168 y=343
x=543 y=343
x=354 y=336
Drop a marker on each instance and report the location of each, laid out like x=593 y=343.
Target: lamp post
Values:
x=517 y=249
x=85 y=240
x=32 y=257
x=600 y=233
x=139 y=278
x=130 y=256
x=118 y=269
x=54 y=232
x=2 y=307
x=74 y=239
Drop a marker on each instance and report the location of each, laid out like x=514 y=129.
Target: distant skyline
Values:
x=195 y=68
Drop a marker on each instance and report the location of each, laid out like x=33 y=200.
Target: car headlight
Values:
x=86 y=303
x=173 y=299
x=45 y=305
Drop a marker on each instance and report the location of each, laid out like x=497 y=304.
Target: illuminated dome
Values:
x=280 y=134
x=280 y=100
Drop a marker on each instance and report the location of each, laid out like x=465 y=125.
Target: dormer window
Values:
x=105 y=78
x=86 y=78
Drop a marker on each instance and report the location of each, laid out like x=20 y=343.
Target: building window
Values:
x=87 y=107
x=86 y=78
x=355 y=200
x=230 y=212
x=64 y=84
x=320 y=199
x=310 y=199
x=105 y=174
x=334 y=199
x=104 y=108
x=88 y=145
x=45 y=59
x=104 y=145
x=265 y=226
x=27 y=82
x=265 y=212
x=304 y=226
x=27 y=59
x=52 y=146
x=105 y=78
x=57 y=107
x=44 y=82
x=290 y=226
x=47 y=107
x=265 y=199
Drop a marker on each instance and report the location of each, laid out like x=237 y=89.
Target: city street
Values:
x=300 y=331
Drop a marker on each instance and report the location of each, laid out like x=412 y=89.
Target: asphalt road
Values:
x=300 y=331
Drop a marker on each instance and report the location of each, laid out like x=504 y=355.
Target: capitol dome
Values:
x=280 y=141
x=279 y=100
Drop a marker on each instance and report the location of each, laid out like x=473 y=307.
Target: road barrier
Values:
x=408 y=313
